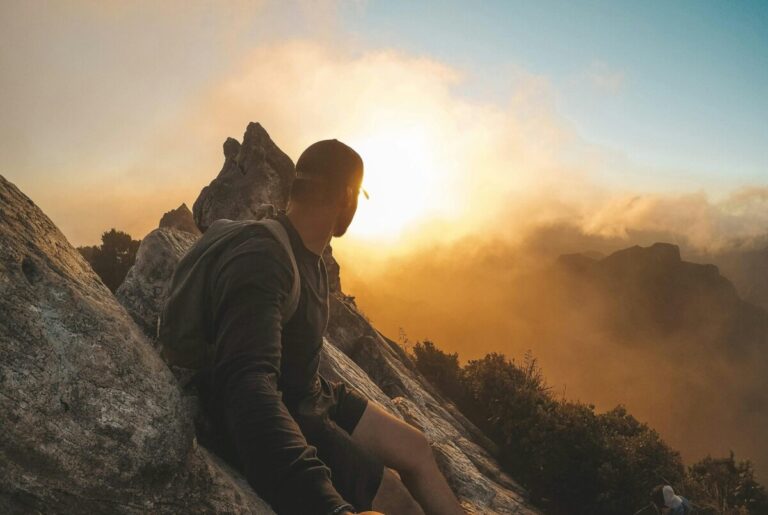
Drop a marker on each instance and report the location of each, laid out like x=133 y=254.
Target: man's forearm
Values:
x=278 y=462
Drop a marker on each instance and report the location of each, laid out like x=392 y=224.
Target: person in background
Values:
x=669 y=503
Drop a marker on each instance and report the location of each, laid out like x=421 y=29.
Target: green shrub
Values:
x=113 y=258
x=723 y=485
x=571 y=459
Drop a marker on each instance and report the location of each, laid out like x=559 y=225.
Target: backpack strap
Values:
x=281 y=235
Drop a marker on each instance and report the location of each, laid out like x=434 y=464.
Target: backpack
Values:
x=184 y=342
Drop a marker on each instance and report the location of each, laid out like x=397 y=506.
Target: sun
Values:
x=402 y=179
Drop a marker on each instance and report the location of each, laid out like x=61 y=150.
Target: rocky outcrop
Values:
x=92 y=419
x=144 y=287
x=354 y=351
x=255 y=173
x=254 y=181
x=181 y=219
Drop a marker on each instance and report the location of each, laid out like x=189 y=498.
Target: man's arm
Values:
x=278 y=462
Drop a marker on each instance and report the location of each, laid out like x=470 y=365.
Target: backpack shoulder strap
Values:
x=281 y=235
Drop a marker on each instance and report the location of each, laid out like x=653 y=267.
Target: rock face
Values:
x=92 y=420
x=354 y=351
x=144 y=287
x=255 y=172
x=181 y=219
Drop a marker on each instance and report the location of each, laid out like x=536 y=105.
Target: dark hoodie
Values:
x=263 y=370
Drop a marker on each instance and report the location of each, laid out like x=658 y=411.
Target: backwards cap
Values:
x=331 y=162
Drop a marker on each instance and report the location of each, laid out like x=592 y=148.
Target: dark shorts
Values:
x=327 y=424
x=355 y=473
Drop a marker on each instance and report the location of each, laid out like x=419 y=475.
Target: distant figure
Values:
x=307 y=445
x=665 y=499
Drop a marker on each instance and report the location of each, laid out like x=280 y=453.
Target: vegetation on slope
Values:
x=572 y=459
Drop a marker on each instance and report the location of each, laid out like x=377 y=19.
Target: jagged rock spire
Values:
x=181 y=219
x=255 y=172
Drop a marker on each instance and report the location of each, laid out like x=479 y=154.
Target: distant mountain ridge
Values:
x=662 y=293
x=746 y=267
x=702 y=351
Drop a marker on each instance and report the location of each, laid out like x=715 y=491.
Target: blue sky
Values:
x=690 y=77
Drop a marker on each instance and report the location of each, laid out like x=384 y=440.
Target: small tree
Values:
x=113 y=258
x=441 y=369
x=723 y=485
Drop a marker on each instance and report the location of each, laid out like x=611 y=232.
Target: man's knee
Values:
x=419 y=452
x=393 y=497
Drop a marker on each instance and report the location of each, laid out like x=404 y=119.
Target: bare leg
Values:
x=404 y=448
x=393 y=497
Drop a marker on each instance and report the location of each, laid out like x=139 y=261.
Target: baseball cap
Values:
x=330 y=162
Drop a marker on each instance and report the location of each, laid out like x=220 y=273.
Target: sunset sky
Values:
x=495 y=136
x=115 y=112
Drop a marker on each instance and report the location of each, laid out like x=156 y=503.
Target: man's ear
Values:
x=346 y=198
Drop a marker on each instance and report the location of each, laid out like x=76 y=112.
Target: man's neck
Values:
x=315 y=231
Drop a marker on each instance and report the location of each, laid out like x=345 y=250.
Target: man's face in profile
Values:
x=347 y=212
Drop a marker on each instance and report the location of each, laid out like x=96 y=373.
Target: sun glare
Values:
x=402 y=179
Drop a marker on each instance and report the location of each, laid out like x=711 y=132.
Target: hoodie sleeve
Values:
x=277 y=461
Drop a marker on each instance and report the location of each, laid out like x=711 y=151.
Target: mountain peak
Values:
x=255 y=172
x=658 y=253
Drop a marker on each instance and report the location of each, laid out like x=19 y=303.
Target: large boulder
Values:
x=355 y=352
x=144 y=287
x=92 y=420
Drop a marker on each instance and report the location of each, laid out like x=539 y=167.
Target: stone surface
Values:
x=92 y=420
x=255 y=172
x=144 y=287
x=181 y=219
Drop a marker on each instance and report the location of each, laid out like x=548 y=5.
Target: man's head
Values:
x=657 y=496
x=329 y=175
x=663 y=496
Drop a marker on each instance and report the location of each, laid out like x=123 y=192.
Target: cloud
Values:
x=428 y=149
x=693 y=219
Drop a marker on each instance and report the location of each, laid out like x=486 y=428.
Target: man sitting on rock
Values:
x=307 y=445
